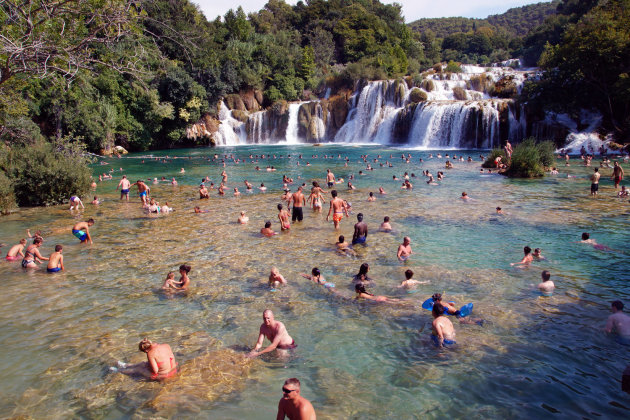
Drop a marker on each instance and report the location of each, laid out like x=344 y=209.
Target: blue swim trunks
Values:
x=445 y=343
x=53 y=270
x=143 y=193
x=81 y=235
x=359 y=240
x=124 y=191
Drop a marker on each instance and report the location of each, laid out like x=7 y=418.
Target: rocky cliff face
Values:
x=205 y=128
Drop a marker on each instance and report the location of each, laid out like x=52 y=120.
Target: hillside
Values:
x=517 y=21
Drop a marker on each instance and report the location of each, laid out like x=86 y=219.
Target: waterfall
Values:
x=292 y=128
x=230 y=130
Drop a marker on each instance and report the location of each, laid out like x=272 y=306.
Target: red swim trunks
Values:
x=337 y=217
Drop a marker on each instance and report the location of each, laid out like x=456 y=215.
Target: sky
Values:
x=411 y=9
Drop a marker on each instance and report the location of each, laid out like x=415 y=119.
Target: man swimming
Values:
x=586 y=240
x=404 y=249
x=275 y=332
x=55 y=261
x=82 y=232
x=338 y=207
x=527 y=258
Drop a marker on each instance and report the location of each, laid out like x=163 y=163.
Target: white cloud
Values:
x=412 y=9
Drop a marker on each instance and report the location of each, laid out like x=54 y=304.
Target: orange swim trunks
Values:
x=337 y=217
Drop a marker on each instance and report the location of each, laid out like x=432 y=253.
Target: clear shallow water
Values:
x=535 y=356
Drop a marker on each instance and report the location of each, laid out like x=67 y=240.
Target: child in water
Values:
x=170 y=283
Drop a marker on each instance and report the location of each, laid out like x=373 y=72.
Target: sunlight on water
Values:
x=534 y=355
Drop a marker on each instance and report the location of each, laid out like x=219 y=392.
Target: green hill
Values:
x=517 y=21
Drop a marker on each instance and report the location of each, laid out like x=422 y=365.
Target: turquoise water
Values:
x=535 y=356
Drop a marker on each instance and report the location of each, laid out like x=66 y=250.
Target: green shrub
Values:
x=526 y=161
x=489 y=163
x=417 y=95
x=459 y=93
x=46 y=174
x=453 y=67
x=545 y=150
x=428 y=85
x=480 y=83
x=7 y=197
x=417 y=80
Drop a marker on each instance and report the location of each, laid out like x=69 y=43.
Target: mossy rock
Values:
x=234 y=101
x=505 y=87
x=428 y=85
x=418 y=95
x=239 y=115
x=280 y=108
x=460 y=93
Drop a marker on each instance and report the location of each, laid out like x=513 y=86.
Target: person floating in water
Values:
x=409 y=282
x=292 y=404
x=160 y=362
x=317 y=277
x=443 y=332
x=275 y=332
x=586 y=240
x=55 y=261
x=404 y=249
x=82 y=232
x=546 y=287
x=343 y=247
x=364 y=294
x=360 y=231
x=618 y=323
x=527 y=258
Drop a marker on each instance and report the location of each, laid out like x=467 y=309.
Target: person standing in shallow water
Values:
x=292 y=404
x=298 y=201
x=338 y=207
x=360 y=231
x=595 y=181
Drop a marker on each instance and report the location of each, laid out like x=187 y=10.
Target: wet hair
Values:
x=37 y=240
x=91 y=221
x=333 y=193
x=58 y=248
x=315 y=184
x=360 y=217
x=537 y=250
x=438 y=309
x=145 y=345
x=279 y=206
x=363 y=270
x=185 y=267
x=546 y=275
x=371 y=194
x=585 y=236
x=360 y=288
x=267 y=224
x=464 y=194
x=436 y=297
x=498 y=208
x=293 y=381
x=617 y=304
x=408 y=274
x=315 y=271
x=386 y=219
x=527 y=250
x=342 y=238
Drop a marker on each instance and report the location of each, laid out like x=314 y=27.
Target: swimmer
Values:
x=465 y=196
x=275 y=332
x=165 y=208
x=409 y=282
x=267 y=231
x=262 y=187
x=350 y=186
x=385 y=226
x=197 y=209
x=404 y=249
x=317 y=277
x=283 y=216
x=182 y=171
x=16 y=251
x=124 y=186
x=292 y=404
x=275 y=278
x=242 y=219
x=586 y=240
x=527 y=258
x=499 y=210
x=32 y=254
x=160 y=362
x=203 y=192
x=362 y=276
x=546 y=286
x=184 y=281
x=249 y=186
x=537 y=255
x=623 y=193
x=237 y=193
x=618 y=323
x=364 y=294
x=381 y=190
x=339 y=207
x=95 y=201
x=75 y=202
x=360 y=231
x=82 y=232
x=343 y=247
x=371 y=197
x=154 y=206
x=442 y=328
x=170 y=283
x=407 y=185
x=55 y=262
x=173 y=182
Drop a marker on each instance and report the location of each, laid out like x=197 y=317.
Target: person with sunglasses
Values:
x=292 y=404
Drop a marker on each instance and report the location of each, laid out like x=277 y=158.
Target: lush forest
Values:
x=90 y=74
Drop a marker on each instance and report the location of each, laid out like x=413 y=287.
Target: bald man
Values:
x=275 y=332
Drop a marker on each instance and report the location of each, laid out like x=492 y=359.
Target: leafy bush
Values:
x=545 y=151
x=428 y=85
x=46 y=174
x=7 y=197
x=453 y=67
x=417 y=95
x=459 y=93
x=526 y=161
x=489 y=163
x=480 y=83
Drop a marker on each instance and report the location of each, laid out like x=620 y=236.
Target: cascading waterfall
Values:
x=382 y=112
